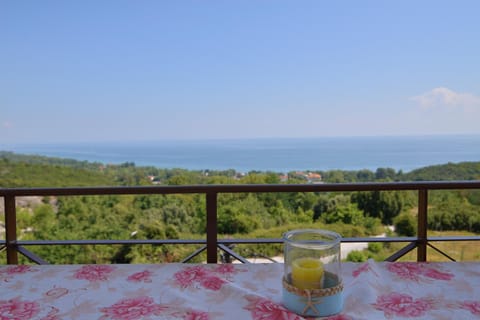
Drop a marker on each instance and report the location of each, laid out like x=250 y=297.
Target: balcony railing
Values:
x=212 y=243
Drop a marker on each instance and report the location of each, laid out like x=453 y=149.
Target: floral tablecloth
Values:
x=373 y=290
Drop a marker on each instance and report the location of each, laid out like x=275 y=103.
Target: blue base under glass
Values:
x=317 y=303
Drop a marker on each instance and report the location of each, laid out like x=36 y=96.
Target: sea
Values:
x=404 y=153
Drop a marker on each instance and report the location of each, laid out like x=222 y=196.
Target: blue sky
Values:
x=149 y=70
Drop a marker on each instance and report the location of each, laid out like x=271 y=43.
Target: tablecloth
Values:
x=372 y=290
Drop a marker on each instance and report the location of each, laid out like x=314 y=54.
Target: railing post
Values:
x=11 y=229
x=212 y=228
x=422 y=225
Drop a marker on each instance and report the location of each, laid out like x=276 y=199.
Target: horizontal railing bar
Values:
x=354 y=240
x=455 y=238
x=250 y=241
x=247 y=188
x=379 y=239
x=344 y=240
x=230 y=241
x=106 y=242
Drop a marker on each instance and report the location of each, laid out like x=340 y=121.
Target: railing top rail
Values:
x=13 y=245
x=229 y=188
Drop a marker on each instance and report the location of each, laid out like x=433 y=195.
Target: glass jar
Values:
x=312 y=272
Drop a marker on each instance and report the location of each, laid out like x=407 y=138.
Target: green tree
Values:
x=348 y=214
x=43 y=220
x=385 y=174
x=334 y=176
x=385 y=205
x=406 y=225
x=365 y=175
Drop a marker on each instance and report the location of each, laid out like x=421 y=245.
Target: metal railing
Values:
x=212 y=243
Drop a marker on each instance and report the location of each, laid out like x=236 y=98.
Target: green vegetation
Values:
x=262 y=215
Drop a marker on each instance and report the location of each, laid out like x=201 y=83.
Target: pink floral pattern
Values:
x=265 y=309
x=137 y=308
x=372 y=290
x=195 y=315
x=363 y=268
x=16 y=309
x=190 y=275
x=143 y=276
x=94 y=272
x=398 y=304
x=472 y=306
x=226 y=268
x=132 y=309
x=199 y=275
x=19 y=269
x=418 y=271
x=9 y=272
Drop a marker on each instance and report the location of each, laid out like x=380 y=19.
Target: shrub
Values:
x=405 y=225
x=356 y=256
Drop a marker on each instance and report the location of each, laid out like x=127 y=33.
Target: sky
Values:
x=100 y=70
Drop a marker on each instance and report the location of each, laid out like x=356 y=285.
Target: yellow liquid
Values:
x=307 y=273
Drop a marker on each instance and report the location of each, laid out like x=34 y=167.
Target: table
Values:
x=373 y=290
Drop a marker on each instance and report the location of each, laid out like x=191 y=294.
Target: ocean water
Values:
x=275 y=154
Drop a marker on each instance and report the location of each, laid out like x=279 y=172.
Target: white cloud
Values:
x=444 y=97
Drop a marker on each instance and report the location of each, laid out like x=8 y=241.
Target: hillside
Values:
x=31 y=174
x=239 y=215
x=449 y=171
x=18 y=170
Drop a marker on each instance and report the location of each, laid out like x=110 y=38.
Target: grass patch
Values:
x=458 y=250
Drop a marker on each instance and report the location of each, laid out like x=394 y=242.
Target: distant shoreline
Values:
x=404 y=153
